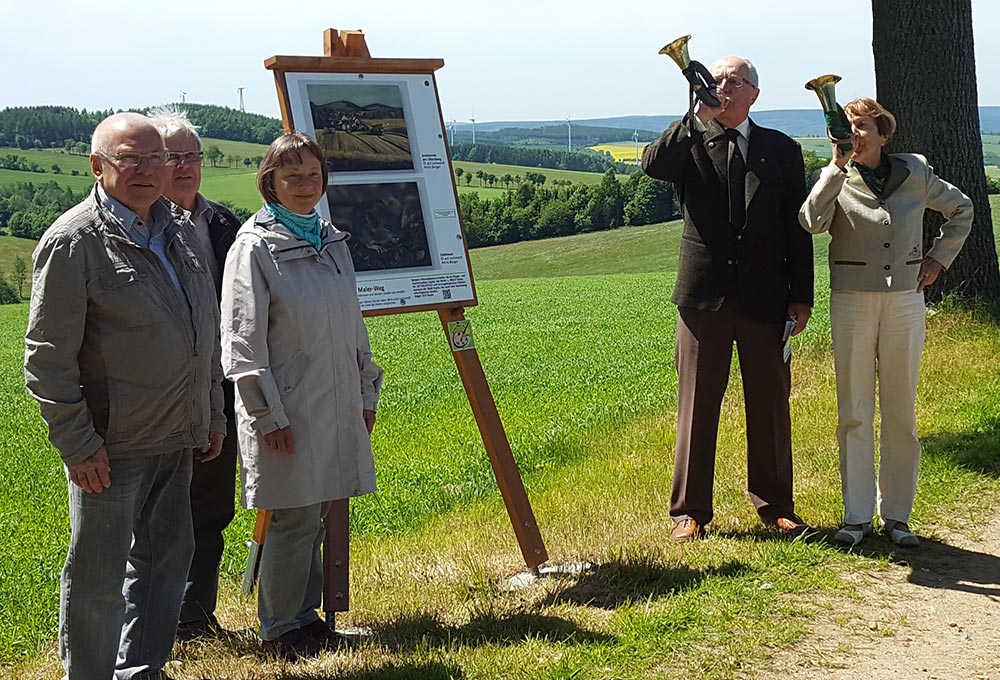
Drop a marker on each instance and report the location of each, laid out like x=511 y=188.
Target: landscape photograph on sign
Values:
x=360 y=127
x=386 y=223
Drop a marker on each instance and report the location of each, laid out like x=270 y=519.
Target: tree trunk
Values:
x=925 y=71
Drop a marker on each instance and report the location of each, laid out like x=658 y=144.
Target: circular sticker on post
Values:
x=460 y=335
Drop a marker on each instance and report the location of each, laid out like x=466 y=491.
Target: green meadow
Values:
x=237 y=184
x=576 y=337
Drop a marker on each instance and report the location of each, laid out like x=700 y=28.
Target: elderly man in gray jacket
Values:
x=122 y=354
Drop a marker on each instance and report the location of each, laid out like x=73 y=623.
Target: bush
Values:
x=8 y=296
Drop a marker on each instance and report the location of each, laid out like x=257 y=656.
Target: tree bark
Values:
x=925 y=72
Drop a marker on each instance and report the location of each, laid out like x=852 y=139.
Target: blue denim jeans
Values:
x=291 y=570
x=124 y=575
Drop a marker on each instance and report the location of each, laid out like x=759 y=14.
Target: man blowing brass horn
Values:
x=744 y=271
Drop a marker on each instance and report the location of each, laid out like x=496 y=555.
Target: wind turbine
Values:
x=473 y=120
x=240 y=90
x=635 y=138
x=569 y=133
x=451 y=133
x=183 y=94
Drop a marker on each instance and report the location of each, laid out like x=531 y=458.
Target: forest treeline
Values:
x=27 y=209
x=550 y=136
x=529 y=210
x=48 y=127
x=590 y=161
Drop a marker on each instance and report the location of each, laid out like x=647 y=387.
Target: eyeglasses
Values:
x=735 y=82
x=184 y=158
x=134 y=160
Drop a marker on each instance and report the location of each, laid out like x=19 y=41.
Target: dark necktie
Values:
x=736 y=176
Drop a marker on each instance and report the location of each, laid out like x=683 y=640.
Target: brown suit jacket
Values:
x=769 y=263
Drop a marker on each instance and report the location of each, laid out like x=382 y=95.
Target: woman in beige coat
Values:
x=873 y=206
x=295 y=344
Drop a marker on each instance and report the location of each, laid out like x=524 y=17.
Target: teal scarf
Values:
x=306 y=227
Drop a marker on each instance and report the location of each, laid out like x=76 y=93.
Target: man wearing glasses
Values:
x=122 y=354
x=744 y=271
x=213 y=487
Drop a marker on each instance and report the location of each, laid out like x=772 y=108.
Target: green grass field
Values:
x=576 y=337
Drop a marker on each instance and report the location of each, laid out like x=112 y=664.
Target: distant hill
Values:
x=793 y=122
x=54 y=126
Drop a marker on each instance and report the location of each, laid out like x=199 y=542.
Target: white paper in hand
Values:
x=786 y=340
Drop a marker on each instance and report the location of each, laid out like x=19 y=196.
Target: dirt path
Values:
x=934 y=614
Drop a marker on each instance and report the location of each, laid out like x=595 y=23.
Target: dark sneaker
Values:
x=152 y=674
x=295 y=644
x=196 y=630
x=330 y=639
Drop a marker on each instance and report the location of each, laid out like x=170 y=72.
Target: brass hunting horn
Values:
x=838 y=128
x=702 y=82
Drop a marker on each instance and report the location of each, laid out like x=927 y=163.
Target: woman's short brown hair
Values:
x=885 y=122
x=288 y=148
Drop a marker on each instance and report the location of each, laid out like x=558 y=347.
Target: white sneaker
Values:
x=851 y=534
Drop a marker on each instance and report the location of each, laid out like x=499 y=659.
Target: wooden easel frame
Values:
x=347 y=52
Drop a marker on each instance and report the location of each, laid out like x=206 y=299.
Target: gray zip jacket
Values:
x=295 y=343
x=115 y=355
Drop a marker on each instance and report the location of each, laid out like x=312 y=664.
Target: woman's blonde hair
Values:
x=885 y=122
x=288 y=148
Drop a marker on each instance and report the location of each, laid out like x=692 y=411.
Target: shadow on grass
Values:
x=415 y=671
x=410 y=633
x=616 y=583
x=975 y=451
x=938 y=565
x=935 y=564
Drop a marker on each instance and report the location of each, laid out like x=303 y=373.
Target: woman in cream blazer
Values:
x=873 y=203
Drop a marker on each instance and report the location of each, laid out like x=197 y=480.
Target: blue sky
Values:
x=515 y=60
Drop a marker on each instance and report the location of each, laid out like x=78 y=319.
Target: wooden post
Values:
x=256 y=546
x=497 y=446
x=336 y=559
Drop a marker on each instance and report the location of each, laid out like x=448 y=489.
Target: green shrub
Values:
x=8 y=296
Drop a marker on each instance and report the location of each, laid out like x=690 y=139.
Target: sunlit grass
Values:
x=582 y=370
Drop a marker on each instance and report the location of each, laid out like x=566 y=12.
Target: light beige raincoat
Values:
x=295 y=344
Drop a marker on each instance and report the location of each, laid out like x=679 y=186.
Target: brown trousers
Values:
x=704 y=350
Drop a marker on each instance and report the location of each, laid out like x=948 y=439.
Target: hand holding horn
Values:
x=701 y=81
x=838 y=128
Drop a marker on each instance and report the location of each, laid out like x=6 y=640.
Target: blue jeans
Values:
x=124 y=575
x=291 y=570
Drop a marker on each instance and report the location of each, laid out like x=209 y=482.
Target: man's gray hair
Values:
x=170 y=120
x=751 y=73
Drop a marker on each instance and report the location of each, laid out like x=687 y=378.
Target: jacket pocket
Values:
x=693 y=241
x=290 y=373
x=126 y=298
x=116 y=277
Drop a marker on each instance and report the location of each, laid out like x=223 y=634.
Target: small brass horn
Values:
x=838 y=128
x=701 y=81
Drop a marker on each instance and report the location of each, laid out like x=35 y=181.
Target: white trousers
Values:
x=883 y=334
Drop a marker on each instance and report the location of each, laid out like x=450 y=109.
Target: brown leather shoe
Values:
x=790 y=524
x=686 y=530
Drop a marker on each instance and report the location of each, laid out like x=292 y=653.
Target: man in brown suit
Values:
x=744 y=269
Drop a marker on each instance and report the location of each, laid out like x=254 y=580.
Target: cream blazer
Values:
x=878 y=244
x=295 y=344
